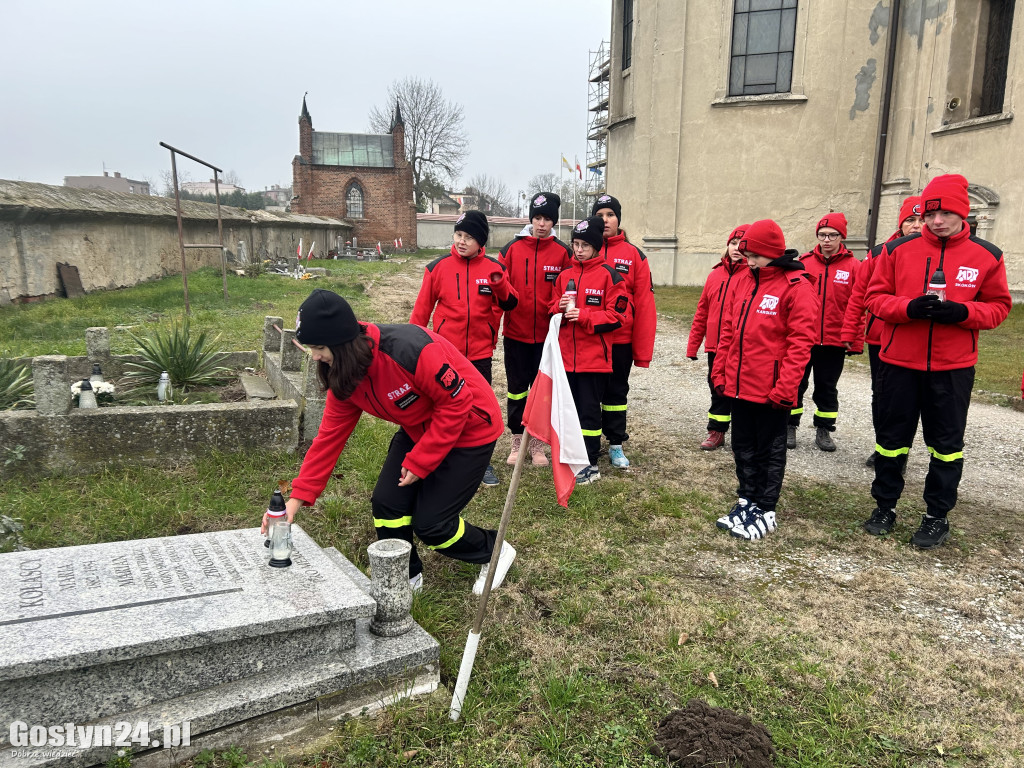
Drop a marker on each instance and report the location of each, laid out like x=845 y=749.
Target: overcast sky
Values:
x=91 y=83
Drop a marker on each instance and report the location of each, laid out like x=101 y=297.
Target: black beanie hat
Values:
x=474 y=224
x=590 y=231
x=545 y=204
x=607 y=201
x=325 y=320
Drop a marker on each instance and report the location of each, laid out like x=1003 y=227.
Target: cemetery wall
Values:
x=86 y=441
x=434 y=230
x=118 y=240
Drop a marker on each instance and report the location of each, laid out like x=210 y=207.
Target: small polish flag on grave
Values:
x=550 y=415
x=310 y=254
x=298 y=251
x=378 y=248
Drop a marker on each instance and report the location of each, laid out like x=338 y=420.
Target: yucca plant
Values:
x=188 y=360
x=15 y=386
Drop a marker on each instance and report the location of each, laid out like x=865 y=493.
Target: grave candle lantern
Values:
x=86 y=397
x=279 y=534
x=97 y=374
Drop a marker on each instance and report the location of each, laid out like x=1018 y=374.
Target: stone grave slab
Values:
x=106 y=628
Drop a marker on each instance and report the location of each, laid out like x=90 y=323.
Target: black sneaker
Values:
x=880 y=522
x=490 y=479
x=823 y=439
x=933 y=531
x=790 y=438
x=870 y=462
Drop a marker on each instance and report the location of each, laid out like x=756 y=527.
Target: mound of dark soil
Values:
x=701 y=736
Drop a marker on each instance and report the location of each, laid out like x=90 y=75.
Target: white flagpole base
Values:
x=465 y=672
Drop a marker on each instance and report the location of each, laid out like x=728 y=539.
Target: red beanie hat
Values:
x=911 y=207
x=946 y=193
x=764 y=238
x=836 y=221
x=738 y=232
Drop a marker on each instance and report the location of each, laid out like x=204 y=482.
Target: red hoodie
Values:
x=975 y=276
x=419 y=381
x=603 y=303
x=532 y=265
x=766 y=336
x=835 y=277
x=719 y=289
x=466 y=301
x=641 y=321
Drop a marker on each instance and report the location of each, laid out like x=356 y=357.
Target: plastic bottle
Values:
x=164 y=391
x=937 y=285
x=570 y=291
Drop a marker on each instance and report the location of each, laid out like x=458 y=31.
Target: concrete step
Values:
x=256 y=387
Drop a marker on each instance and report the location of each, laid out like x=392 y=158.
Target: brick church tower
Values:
x=365 y=178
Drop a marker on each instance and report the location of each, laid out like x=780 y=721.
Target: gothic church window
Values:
x=354 y=202
x=763 y=39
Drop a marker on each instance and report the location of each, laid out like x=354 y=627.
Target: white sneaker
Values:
x=734 y=517
x=508 y=554
x=756 y=524
x=416 y=582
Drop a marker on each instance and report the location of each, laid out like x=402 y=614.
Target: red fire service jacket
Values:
x=419 y=381
x=719 y=290
x=531 y=266
x=975 y=276
x=835 y=278
x=467 y=298
x=854 y=329
x=603 y=303
x=767 y=334
x=641 y=321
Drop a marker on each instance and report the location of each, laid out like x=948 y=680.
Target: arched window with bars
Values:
x=354 y=201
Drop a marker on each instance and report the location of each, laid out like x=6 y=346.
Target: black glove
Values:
x=720 y=390
x=922 y=307
x=949 y=312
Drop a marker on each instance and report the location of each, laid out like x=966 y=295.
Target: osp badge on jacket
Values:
x=967 y=277
x=842 y=277
x=769 y=305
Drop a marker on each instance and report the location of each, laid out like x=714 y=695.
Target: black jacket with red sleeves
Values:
x=767 y=334
x=532 y=265
x=603 y=302
x=467 y=298
x=419 y=381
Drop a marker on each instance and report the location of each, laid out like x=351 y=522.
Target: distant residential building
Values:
x=277 y=195
x=210 y=188
x=443 y=205
x=364 y=178
x=115 y=183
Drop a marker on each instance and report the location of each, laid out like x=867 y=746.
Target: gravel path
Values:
x=676 y=389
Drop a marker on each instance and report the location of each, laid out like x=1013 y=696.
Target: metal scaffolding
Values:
x=597 y=119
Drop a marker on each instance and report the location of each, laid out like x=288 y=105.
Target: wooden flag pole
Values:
x=473 y=640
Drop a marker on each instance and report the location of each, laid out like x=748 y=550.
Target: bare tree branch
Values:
x=564 y=188
x=500 y=198
x=435 y=140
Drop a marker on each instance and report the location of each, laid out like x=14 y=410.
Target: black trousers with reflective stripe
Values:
x=484 y=366
x=433 y=503
x=940 y=399
x=827 y=365
x=874 y=361
x=522 y=361
x=613 y=412
x=721 y=406
x=588 y=389
x=759 y=447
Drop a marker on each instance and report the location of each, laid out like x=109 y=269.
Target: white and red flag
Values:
x=378 y=248
x=400 y=243
x=310 y=254
x=550 y=415
x=299 y=249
